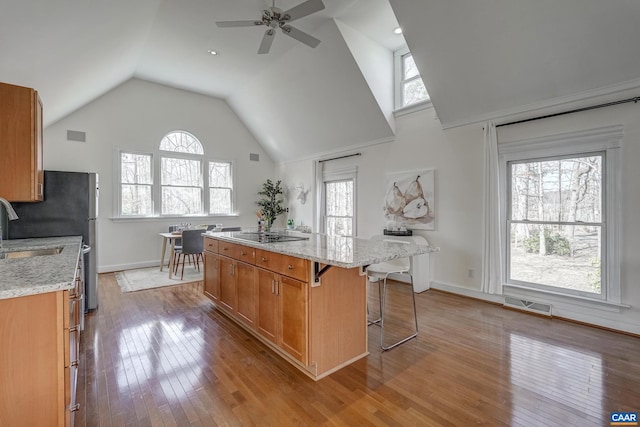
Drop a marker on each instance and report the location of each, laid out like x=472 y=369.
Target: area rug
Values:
x=149 y=278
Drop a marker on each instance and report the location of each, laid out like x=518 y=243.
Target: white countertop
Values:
x=346 y=252
x=39 y=274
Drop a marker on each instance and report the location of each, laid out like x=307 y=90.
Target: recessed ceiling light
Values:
x=398 y=30
x=213 y=52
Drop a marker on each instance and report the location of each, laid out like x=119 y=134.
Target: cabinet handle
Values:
x=74 y=408
x=74 y=363
x=290 y=267
x=277 y=287
x=264 y=259
x=273 y=286
x=242 y=253
x=225 y=248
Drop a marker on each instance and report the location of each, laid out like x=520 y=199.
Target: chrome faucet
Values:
x=10 y=212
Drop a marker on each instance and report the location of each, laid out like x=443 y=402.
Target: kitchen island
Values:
x=40 y=313
x=306 y=299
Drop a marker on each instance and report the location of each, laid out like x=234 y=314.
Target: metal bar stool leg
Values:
x=415 y=318
x=379 y=319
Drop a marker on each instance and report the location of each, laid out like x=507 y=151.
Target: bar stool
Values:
x=381 y=272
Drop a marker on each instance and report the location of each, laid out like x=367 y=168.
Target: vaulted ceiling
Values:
x=480 y=59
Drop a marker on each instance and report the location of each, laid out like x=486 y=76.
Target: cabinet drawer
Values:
x=239 y=252
x=268 y=260
x=211 y=245
x=297 y=268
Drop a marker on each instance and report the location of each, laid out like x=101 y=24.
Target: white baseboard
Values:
x=472 y=293
x=132 y=266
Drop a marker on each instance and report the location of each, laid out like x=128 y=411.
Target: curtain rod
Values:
x=341 y=157
x=593 y=107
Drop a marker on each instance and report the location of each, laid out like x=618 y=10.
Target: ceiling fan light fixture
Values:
x=397 y=30
x=273 y=18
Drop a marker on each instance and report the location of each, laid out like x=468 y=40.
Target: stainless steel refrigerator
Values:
x=70 y=208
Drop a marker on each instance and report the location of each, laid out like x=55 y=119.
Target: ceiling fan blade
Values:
x=231 y=24
x=301 y=36
x=267 y=41
x=303 y=9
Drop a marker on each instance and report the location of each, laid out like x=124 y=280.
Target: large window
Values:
x=410 y=88
x=179 y=188
x=560 y=214
x=556 y=222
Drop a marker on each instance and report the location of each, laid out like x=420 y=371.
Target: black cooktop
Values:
x=270 y=237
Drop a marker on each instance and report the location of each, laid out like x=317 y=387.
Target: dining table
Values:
x=171 y=238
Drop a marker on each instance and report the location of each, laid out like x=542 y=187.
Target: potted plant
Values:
x=271 y=203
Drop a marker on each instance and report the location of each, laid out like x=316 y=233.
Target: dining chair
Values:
x=381 y=272
x=192 y=246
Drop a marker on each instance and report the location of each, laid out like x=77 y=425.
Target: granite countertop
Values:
x=340 y=251
x=39 y=274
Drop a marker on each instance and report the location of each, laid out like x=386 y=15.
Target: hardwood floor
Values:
x=168 y=357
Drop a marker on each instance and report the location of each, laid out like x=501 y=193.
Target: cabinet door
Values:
x=268 y=315
x=247 y=294
x=21 y=172
x=294 y=324
x=228 y=295
x=212 y=275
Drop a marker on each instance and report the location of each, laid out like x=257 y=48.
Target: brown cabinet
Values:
x=317 y=326
x=282 y=312
x=39 y=335
x=21 y=164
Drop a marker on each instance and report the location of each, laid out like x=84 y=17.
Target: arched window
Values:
x=187 y=185
x=181 y=142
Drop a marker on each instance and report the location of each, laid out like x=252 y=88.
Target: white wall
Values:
x=135 y=116
x=457 y=156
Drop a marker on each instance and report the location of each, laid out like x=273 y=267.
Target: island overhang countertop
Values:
x=340 y=251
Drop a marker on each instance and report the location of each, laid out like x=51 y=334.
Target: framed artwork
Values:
x=409 y=199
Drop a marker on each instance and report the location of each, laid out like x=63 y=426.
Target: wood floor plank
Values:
x=168 y=357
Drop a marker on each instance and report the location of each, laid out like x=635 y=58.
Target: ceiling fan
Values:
x=274 y=18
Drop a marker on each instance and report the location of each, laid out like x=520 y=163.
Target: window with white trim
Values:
x=220 y=188
x=181 y=180
x=182 y=188
x=339 y=202
x=136 y=184
x=560 y=208
x=409 y=87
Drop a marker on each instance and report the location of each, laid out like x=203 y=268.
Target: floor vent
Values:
x=522 y=304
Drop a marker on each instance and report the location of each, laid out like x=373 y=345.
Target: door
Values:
x=267 y=322
x=212 y=276
x=246 y=291
x=294 y=325
x=228 y=283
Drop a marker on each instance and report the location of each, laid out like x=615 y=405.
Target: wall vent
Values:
x=522 y=304
x=254 y=157
x=76 y=135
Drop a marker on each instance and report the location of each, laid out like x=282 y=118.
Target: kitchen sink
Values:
x=31 y=253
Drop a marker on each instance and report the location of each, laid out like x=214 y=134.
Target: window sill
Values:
x=418 y=106
x=570 y=299
x=170 y=217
